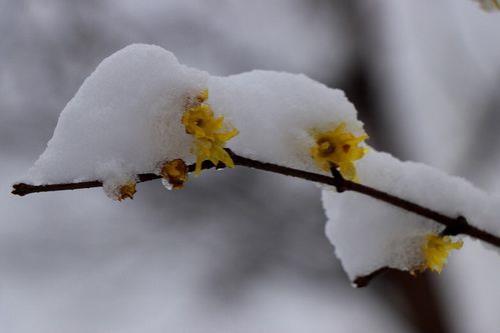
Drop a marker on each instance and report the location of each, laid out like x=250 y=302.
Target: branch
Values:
x=23 y=189
x=454 y=225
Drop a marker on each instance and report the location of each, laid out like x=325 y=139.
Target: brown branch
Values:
x=454 y=225
x=364 y=280
x=458 y=225
x=23 y=189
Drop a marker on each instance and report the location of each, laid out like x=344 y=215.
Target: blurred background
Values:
x=243 y=251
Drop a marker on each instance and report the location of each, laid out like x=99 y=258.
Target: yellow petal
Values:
x=348 y=171
x=340 y=128
x=436 y=250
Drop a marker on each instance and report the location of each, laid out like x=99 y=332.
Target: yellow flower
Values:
x=210 y=133
x=199 y=121
x=436 y=250
x=175 y=172
x=338 y=148
x=126 y=191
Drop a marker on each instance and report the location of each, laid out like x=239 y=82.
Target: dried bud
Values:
x=175 y=172
x=127 y=191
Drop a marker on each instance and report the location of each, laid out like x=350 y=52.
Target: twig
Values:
x=23 y=189
x=459 y=224
x=454 y=225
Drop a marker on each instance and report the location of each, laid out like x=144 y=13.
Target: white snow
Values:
x=369 y=234
x=275 y=113
x=127 y=116
x=127 y=113
x=114 y=175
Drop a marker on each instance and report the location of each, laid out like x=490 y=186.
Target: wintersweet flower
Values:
x=199 y=121
x=338 y=148
x=211 y=133
x=436 y=250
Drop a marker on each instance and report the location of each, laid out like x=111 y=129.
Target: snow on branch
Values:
x=143 y=116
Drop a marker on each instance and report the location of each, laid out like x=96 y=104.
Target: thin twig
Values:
x=459 y=224
x=23 y=189
x=454 y=225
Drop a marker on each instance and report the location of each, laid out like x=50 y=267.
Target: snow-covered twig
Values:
x=454 y=225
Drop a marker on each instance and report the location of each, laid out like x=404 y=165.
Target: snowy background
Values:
x=243 y=251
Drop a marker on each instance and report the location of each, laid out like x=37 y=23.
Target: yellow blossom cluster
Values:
x=436 y=249
x=210 y=133
x=338 y=148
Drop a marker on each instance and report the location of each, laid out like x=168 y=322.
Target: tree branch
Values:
x=23 y=189
x=454 y=225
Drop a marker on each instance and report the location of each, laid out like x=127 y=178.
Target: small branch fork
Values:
x=453 y=225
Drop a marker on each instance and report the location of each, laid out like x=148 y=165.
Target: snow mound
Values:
x=369 y=234
x=127 y=113
x=275 y=113
x=126 y=117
